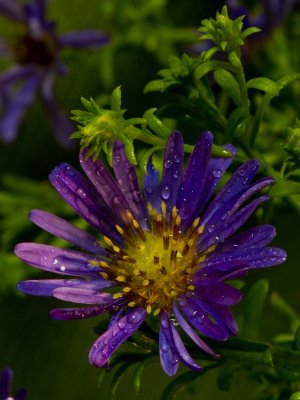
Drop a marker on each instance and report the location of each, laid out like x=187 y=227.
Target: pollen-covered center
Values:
x=154 y=266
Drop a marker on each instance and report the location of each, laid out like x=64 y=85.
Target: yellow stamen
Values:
x=117 y=295
x=131 y=304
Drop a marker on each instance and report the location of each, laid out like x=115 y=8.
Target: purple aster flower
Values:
x=6 y=376
x=273 y=13
x=35 y=51
x=167 y=251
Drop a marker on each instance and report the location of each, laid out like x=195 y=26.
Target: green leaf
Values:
x=296 y=344
x=209 y=66
x=139 y=371
x=285 y=188
x=287 y=79
x=178 y=384
x=159 y=85
x=253 y=308
x=228 y=83
x=286 y=310
x=249 y=31
x=233 y=120
x=264 y=84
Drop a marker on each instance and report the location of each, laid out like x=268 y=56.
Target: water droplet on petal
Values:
x=166 y=192
x=217 y=173
x=241 y=172
x=178 y=157
x=117 y=158
x=211 y=228
x=62 y=268
x=168 y=164
x=148 y=189
x=164 y=348
x=176 y=174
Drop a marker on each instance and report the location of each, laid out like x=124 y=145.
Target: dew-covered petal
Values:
x=76 y=313
x=167 y=353
x=116 y=316
x=215 y=170
x=14 y=110
x=6 y=377
x=212 y=275
x=65 y=230
x=237 y=184
x=152 y=186
x=222 y=315
x=84 y=296
x=12 y=9
x=194 y=177
x=201 y=320
x=85 y=38
x=172 y=169
x=253 y=257
x=258 y=236
x=54 y=259
x=80 y=195
x=192 y=334
x=104 y=184
x=60 y=123
x=220 y=293
x=45 y=287
x=221 y=230
x=127 y=179
x=107 y=343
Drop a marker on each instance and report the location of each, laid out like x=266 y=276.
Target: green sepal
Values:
x=228 y=83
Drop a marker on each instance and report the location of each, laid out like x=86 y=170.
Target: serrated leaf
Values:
x=253 y=308
x=264 y=84
x=284 y=188
x=228 y=83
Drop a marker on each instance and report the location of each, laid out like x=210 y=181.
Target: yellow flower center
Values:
x=155 y=266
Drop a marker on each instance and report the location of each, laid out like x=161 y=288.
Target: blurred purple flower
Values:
x=35 y=51
x=157 y=255
x=6 y=376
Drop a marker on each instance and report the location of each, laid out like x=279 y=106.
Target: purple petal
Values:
x=12 y=9
x=253 y=257
x=259 y=236
x=15 y=109
x=177 y=345
x=127 y=180
x=84 y=38
x=60 y=123
x=222 y=316
x=84 y=296
x=195 y=176
x=220 y=230
x=106 y=344
x=152 y=186
x=201 y=319
x=80 y=195
x=167 y=353
x=54 y=259
x=45 y=287
x=220 y=294
x=224 y=271
x=6 y=377
x=116 y=316
x=63 y=229
x=189 y=331
x=15 y=73
x=76 y=313
x=105 y=185
x=237 y=184
x=172 y=169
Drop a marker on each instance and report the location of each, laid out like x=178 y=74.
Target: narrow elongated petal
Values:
x=152 y=186
x=45 y=287
x=256 y=237
x=14 y=74
x=222 y=315
x=6 y=376
x=190 y=332
x=106 y=344
x=54 y=259
x=76 y=313
x=81 y=196
x=195 y=176
x=84 y=296
x=172 y=168
x=105 y=184
x=15 y=109
x=128 y=182
x=63 y=229
x=201 y=319
x=83 y=38
x=167 y=353
x=220 y=294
